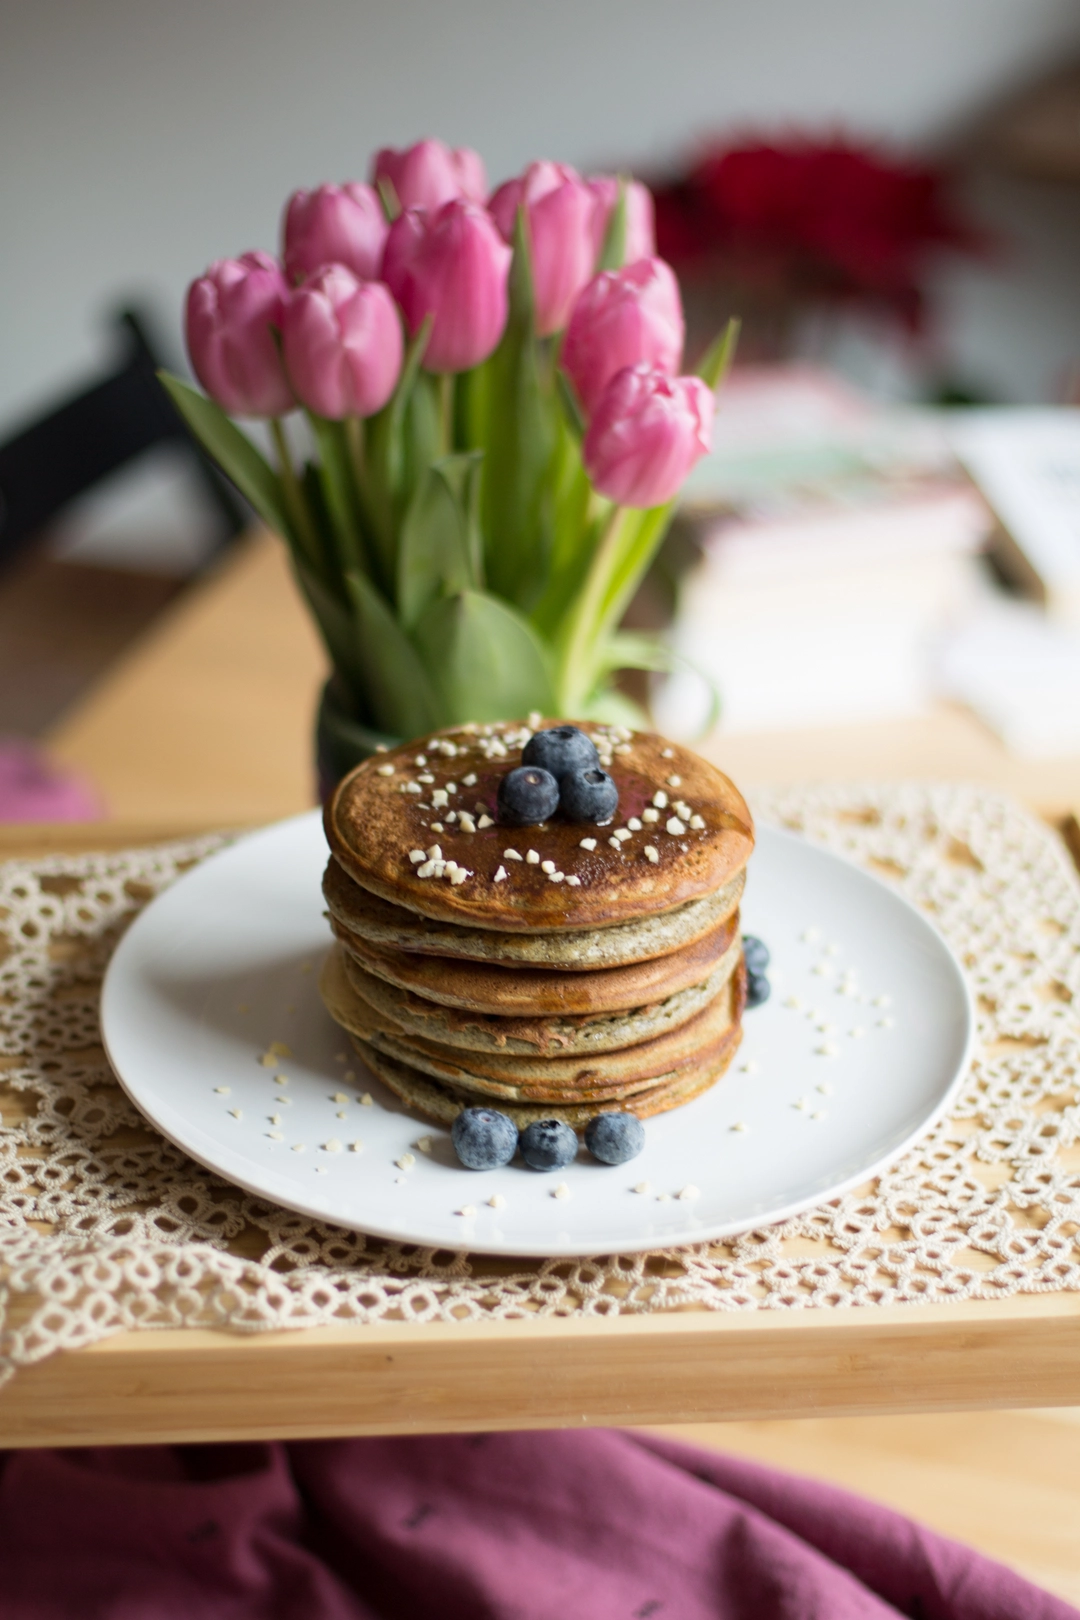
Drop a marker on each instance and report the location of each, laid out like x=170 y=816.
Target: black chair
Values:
x=64 y=454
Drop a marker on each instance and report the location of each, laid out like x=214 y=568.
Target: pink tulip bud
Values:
x=342 y=343
x=640 y=216
x=231 y=314
x=453 y=265
x=647 y=432
x=334 y=225
x=623 y=318
x=560 y=210
x=431 y=173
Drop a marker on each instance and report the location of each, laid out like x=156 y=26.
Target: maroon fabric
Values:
x=596 y=1525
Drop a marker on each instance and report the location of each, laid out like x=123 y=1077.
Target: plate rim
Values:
x=553 y=1250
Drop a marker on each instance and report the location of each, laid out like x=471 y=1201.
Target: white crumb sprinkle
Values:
x=434 y=853
x=826 y=1049
x=276 y=1136
x=484 y=821
x=511 y=855
x=825 y=1089
x=427 y=779
x=298 y=1147
x=832 y=950
x=275 y=1119
x=614 y=842
x=886 y=1023
x=532 y=858
x=688 y=1193
x=237 y=1113
x=674 y=781
x=856 y=1032
x=424 y=1144
x=634 y=824
x=659 y=798
x=285 y=1102
x=740 y=1125
x=223 y=1091
x=651 y=853
x=451 y=787
x=825 y=1028
x=497 y=1201
x=683 y=809
x=674 y=826
x=820 y=1114
x=667 y=753
x=281 y=1079
x=663 y=1198
x=421 y=759
x=437 y=826
x=416 y=856
x=332 y=1146
x=642 y=1187
x=470 y=780
x=882 y=1001
x=623 y=748
x=650 y=814
x=399 y=1181
x=535 y=720
x=321 y=1170
x=341 y=1114
x=697 y=823
x=440 y=798
x=413 y=787
x=268 y=1060
x=406 y=1161
x=574 y=881
x=427 y=870
x=468 y=1210
x=385 y=770
x=821 y=970
x=622 y=834
x=588 y=843
x=547 y=866
x=561 y=1191
x=795 y=1002
x=501 y=875
x=802 y=1105
x=366 y=1100
x=340 y=1097
x=556 y=877
x=452 y=817
x=466 y=822
x=459 y=875
x=356 y=1147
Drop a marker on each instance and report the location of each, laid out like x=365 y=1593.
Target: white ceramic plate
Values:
x=859 y=1050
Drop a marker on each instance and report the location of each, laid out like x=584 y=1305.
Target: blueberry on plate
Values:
x=562 y=749
x=548 y=1144
x=758 y=989
x=615 y=1138
x=756 y=953
x=528 y=796
x=483 y=1138
x=588 y=795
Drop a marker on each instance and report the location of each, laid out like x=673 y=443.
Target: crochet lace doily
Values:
x=105 y=1226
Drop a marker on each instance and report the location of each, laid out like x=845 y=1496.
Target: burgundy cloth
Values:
x=594 y=1525
x=31 y=789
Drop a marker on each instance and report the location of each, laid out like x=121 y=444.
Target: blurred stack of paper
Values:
x=838 y=544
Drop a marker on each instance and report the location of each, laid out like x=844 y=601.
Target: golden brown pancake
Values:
x=443 y=1104
x=507 y=991
x=396 y=802
x=528 y=1037
x=375 y=920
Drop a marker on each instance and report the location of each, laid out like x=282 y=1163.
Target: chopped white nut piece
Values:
x=466 y=822
x=511 y=855
x=667 y=753
x=386 y=770
x=532 y=858
x=439 y=799
x=588 y=843
x=427 y=779
x=366 y=1100
x=501 y=875
x=741 y=1126
x=826 y=1049
x=832 y=950
x=802 y=1105
x=416 y=856
x=468 y=1210
x=663 y=1198
x=547 y=866
x=340 y=1097
x=683 y=809
x=634 y=824
x=412 y=787
x=574 y=881
x=795 y=1002
x=652 y=853
x=406 y=1161
x=298 y=1147
x=615 y=843
x=470 y=780
x=856 y=1032
x=485 y=821
x=341 y=1114
x=452 y=816
x=497 y=1201
x=821 y=970
x=650 y=815
x=268 y=1060
x=535 y=720
x=879 y=1001
x=434 y=853
x=427 y=870
x=622 y=834
x=688 y=1193
x=623 y=748
x=421 y=759
x=460 y=874
x=281 y=1080
x=674 y=826
x=237 y=1113
x=642 y=1187
x=556 y=877
x=437 y=826
x=825 y=1089
x=424 y=1143
x=223 y=1091
x=749 y=1067
x=697 y=823
x=275 y=1119
x=825 y=1028
x=356 y=1147
x=659 y=798
x=451 y=787
x=674 y=781
x=276 y=1136
x=886 y=1023
x=561 y=1191
x=821 y=1114
x=333 y=1146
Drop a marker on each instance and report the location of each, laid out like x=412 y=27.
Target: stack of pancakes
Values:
x=554 y=971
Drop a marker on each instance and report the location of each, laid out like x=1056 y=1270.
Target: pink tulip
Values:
x=431 y=173
x=560 y=209
x=231 y=313
x=342 y=343
x=640 y=216
x=334 y=225
x=647 y=432
x=453 y=265
x=623 y=318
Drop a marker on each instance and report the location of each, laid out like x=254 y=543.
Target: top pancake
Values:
x=383 y=810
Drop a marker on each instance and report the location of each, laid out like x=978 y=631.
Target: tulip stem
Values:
x=354 y=437
x=446 y=411
x=294 y=495
x=576 y=672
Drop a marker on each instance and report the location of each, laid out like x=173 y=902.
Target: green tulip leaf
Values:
x=437 y=554
x=385 y=436
x=233 y=451
x=336 y=625
x=613 y=251
x=400 y=697
x=484 y=658
x=715 y=363
x=338 y=491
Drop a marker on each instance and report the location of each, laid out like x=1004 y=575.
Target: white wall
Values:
x=141 y=138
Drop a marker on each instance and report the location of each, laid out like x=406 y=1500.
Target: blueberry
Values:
x=562 y=749
x=756 y=954
x=588 y=795
x=527 y=796
x=483 y=1138
x=614 y=1138
x=548 y=1144
x=758 y=989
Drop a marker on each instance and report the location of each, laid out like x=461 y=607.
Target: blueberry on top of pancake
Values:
x=419 y=827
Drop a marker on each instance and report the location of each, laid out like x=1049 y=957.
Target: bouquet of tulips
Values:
x=496 y=430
